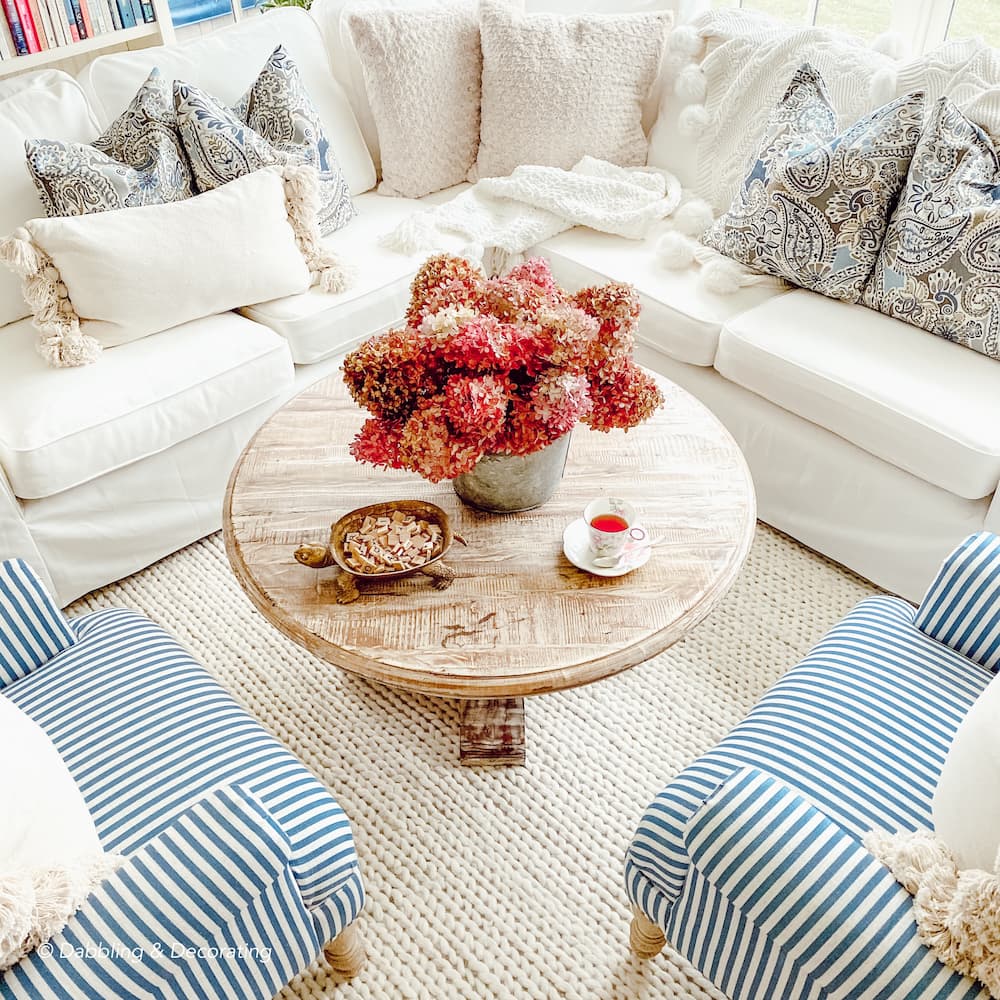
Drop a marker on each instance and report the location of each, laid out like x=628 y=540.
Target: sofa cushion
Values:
x=220 y=254
x=138 y=160
x=679 y=317
x=226 y=62
x=594 y=71
x=317 y=324
x=937 y=267
x=47 y=103
x=142 y=398
x=422 y=70
x=814 y=204
x=927 y=406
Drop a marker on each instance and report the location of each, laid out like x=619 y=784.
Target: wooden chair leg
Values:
x=645 y=938
x=346 y=952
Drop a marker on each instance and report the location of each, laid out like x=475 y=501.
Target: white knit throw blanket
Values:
x=496 y=220
x=746 y=72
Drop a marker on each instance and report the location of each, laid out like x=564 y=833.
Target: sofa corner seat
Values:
x=150 y=739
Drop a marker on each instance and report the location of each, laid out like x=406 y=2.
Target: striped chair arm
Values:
x=207 y=908
x=962 y=606
x=815 y=891
x=32 y=628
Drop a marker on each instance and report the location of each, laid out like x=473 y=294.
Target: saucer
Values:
x=576 y=545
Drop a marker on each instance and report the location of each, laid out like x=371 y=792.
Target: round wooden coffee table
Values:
x=519 y=618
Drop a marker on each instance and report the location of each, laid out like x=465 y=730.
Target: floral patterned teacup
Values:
x=612 y=523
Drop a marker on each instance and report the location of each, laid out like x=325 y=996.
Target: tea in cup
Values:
x=612 y=524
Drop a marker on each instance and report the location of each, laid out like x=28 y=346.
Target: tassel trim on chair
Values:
x=957 y=912
x=302 y=201
x=61 y=343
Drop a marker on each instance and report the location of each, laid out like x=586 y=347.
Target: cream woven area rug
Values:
x=500 y=883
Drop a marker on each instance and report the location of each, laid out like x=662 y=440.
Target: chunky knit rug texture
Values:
x=500 y=883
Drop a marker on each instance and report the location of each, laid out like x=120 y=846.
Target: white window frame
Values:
x=921 y=24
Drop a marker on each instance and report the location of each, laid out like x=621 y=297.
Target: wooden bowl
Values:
x=418 y=508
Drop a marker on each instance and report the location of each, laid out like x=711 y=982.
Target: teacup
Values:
x=611 y=523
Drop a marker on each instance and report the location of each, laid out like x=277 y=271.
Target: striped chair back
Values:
x=962 y=606
x=32 y=628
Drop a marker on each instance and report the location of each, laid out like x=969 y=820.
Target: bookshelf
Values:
x=157 y=32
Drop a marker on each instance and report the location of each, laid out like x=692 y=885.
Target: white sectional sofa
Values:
x=870 y=441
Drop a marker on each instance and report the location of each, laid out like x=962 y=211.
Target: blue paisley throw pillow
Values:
x=939 y=267
x=814 y=207
x=139 y=160
x=275 y=122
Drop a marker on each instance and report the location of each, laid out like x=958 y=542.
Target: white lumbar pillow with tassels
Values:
x=108 y=278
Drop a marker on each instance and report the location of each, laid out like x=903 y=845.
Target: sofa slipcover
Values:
x=225 y=63
x=906 y=396
x=62 y=428
x=858 y=731
x=679 y=317
x=318 y=325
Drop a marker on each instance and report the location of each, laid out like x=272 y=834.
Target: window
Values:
x=920 y=24
x=189 y=11
x=976 y=17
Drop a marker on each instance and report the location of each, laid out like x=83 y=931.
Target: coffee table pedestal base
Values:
x=492 y=732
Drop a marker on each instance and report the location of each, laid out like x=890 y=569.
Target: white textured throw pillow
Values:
x=106 y=279
x=966 y=808
x=50 y=855
x=557 y=88
x=422 y=69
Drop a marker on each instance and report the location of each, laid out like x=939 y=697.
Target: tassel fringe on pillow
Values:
x=35 y=905
x=302 y=200
x=61 y=342
x=957 y=912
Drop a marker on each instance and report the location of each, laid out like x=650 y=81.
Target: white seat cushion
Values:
x=60 y=427
x=927 y=406
x=226 y=62
x=679 y=317
x=318 y=325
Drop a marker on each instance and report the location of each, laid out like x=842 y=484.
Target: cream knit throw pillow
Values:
x=422 y=70
x=557 y=88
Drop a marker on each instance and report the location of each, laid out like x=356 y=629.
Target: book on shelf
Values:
x=31 y=26
x=125 y=13
x=88 y=24
x=13 y=19
x=53 y=8
x=7 y=48
x=27 y=25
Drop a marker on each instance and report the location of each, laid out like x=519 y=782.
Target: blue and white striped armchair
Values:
x=750 y=861
x=240 y=865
